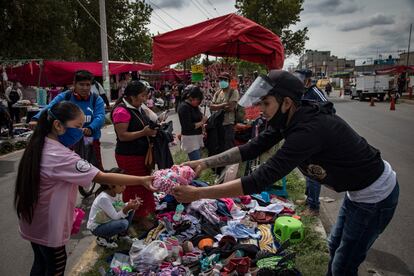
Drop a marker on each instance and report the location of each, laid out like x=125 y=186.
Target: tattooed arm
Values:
x=228 y=157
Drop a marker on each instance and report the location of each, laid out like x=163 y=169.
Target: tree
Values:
x=63 y=30
x=189 y=62
x=277 y=16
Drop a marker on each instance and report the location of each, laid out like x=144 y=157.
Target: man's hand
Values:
x=87 y=131
x=186 y=193
x=198 y=166
x=146 y=181
x=32 y=125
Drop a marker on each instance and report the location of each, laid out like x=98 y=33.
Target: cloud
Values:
x=177 y=4
x=378 y=19
x=385 y=40
x=331 y=7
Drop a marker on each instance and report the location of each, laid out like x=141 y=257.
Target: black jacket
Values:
x=189 y=116
x=322 y=145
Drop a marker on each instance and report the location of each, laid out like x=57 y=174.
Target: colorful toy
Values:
x=165 y=180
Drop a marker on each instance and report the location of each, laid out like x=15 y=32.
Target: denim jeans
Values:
x=313 y=190
x=114 y=227
x=194 y=155
x=358 y=226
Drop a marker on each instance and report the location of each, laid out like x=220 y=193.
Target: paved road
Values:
x=16 y=253
x=393 y=133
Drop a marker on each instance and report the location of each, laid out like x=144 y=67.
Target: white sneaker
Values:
x=105 y=243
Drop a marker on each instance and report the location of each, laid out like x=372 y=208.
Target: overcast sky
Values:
x=348 y=28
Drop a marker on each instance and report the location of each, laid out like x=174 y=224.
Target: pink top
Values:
x=121 y=115
x=61 y=171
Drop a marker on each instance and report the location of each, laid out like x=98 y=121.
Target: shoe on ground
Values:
x=310 y=213
x=300 y=202
x=127 y=239
x=110 y=244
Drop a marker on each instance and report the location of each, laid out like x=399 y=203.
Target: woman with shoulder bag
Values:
x=133 y=150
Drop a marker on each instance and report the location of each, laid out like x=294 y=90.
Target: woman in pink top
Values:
x=47 y=183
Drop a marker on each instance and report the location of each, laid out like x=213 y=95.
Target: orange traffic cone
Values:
x=392 y=106
x=372 y=102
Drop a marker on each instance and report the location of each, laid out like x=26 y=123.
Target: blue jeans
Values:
x=114 y=227
x=194 y=155
x=358 y=226
x=313 y=190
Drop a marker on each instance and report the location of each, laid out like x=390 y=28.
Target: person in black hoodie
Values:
x=192 y=121
x=325 y=148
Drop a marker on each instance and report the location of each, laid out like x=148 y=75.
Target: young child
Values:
x=47 y=183
x=110 y=216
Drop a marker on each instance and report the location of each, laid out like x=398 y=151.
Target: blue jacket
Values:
x=94 y=114
x=314 y=94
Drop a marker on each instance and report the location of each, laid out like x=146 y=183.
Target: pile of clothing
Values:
x=229 y=236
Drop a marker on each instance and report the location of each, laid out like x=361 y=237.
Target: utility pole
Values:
x=104 y=48
x=408 y=58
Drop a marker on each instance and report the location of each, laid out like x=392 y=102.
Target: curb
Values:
x=83 y=257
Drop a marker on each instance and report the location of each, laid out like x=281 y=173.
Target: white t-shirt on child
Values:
x=104 y=203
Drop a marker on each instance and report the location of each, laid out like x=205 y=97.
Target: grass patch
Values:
x=312 y=255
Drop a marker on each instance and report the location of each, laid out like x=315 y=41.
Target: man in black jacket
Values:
x=325 y=148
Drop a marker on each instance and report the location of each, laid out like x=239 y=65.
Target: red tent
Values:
x=227 y=36
x=394 y=70
x=62 y=72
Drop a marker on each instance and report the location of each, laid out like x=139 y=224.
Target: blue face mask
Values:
x=223 y=84
x=71 y=136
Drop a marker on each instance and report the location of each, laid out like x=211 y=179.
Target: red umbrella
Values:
x=227 y=36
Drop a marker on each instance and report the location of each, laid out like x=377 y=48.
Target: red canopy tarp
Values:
x=227 y=36
x=62 y=72
x=394 y=70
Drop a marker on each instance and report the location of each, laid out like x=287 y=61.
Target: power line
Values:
x=99 y=25
x=176 y=20
x=202 y=6
x=214 y=8
x=162 y=20
x=206 y=15
x=159 y=26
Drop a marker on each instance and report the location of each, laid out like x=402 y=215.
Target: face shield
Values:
x=257 y=90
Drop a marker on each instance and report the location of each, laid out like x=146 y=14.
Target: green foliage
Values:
x=277 y=16
x=186 y=64
x=63 y=30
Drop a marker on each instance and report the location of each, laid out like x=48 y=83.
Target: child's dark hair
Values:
x=26 y=192
x=83 y=75
x=134 y=88
x=106 y=187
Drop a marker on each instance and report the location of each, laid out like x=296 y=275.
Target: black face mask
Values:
x=279 y=120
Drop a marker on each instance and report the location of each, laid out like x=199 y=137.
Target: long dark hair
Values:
x=26 y=193
x=104 y=187
x=134 y=88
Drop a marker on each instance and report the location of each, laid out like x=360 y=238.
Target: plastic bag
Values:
x=149 y=258
x=78 y=215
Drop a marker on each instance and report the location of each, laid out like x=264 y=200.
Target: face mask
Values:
x=279 y=120
x=223 y=84
x=71 y=136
